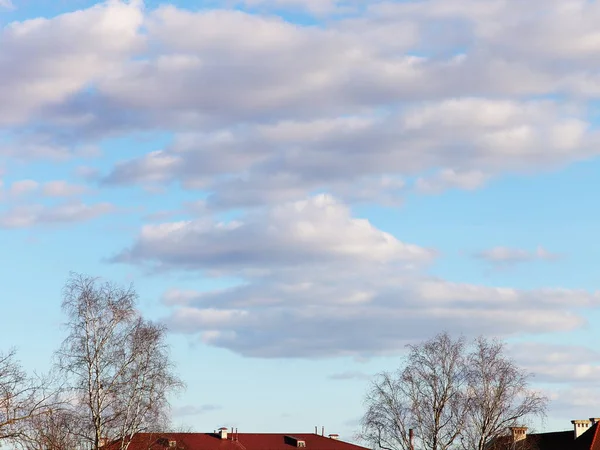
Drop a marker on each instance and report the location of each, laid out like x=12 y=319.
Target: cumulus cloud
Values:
x=503 y=256
x=468 y=140
x=44 y=61
x=341 y=310
x=316 y=230
x=316 y=282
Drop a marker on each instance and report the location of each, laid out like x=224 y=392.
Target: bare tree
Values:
x=499 y=396
x=450 y=394
x=117 y=363
x=52 y=431
x=427 y=395
x=22 y=398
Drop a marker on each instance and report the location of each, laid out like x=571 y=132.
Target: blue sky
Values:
x=300 y=188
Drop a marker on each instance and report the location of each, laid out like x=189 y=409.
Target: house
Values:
x=222 y=439
x=584 y=436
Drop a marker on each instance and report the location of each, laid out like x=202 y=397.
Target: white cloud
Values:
x=6 y=4
x=23 y=187
x=44 y=61
x=450 y=178
x=316 y=230
x=316 y=282
x=26 y=216
x=466 y=140
x=61 y=188
x=318 y=7
x=509 y=256
x=341 y=309
x=558 y=363
x=194 y=410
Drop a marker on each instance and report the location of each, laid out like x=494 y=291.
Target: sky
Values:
x=298 y=189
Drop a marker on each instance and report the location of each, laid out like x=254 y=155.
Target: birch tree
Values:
x=499 y=395
x=117 y=363
x=426 y=395
x=22 y=397
x=451 y=395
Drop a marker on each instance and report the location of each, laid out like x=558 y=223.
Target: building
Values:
x=223 y=439
x=584 y=436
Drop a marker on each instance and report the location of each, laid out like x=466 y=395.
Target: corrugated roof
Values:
x=240 y=441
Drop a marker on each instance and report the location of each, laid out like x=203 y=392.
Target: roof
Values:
x=556 y=440
x=242 y=441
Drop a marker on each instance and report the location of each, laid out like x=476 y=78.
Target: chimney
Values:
x=580 y=427
x=222 y=432
x=322 y=431
x=518 y=433
x=594 y=420
x=334 y=436
x=411 y=435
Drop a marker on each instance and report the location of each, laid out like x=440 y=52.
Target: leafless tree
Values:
x=499 y=396
x=117 y=363
x=52 y=431
x=22 y=398
x=451 y=394
x=426 y=395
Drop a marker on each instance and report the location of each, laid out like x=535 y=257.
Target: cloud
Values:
x=61 y=188
x=317 y=7
x=450 y=178
x=344 y=311
x=350 y=376
x=313 y=281
x=503 y=256
x=6 y=4
x=316 y=230
x=45 y=61
x=40 y=215
x=466 y=140
x=558 y=363
x=56 y=188
x=194 y=410
x=23 y=187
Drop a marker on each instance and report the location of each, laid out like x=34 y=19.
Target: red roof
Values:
x=240 y=441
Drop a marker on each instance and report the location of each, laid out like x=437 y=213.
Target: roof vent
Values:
x=222 y=432
x=172 y=444
x=334 y=436
x=299 y=443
